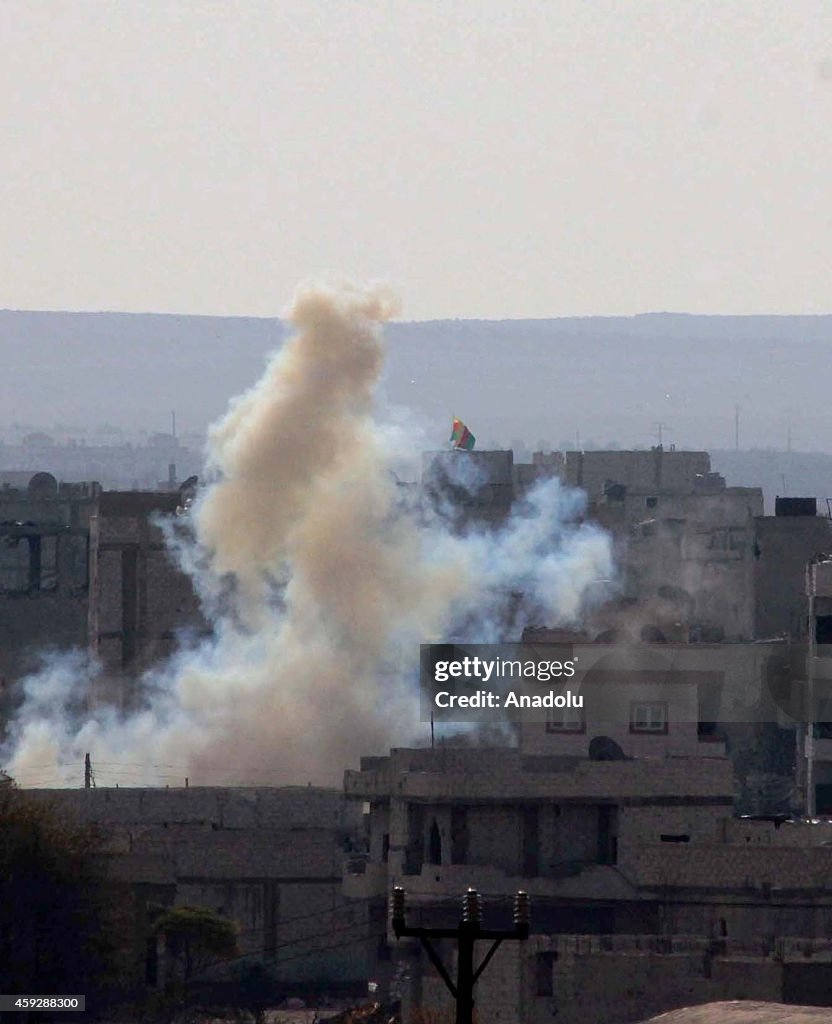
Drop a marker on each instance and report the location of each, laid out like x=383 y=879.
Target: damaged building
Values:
x=698 y=560
x=86 y=569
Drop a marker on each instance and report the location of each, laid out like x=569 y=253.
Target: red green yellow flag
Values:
x=461 y=436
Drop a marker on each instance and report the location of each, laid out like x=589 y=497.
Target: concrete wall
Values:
x=500 y=775
x=143 y=599
x=271 y=860
x=661 y=470
x=591 y=980
x=730 y=867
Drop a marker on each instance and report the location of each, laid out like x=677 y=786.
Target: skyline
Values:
x=604 y=378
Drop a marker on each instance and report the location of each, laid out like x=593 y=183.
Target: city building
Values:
x=87 y=569
x=269 y=860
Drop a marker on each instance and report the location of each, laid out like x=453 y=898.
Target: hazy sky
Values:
x=494 y=159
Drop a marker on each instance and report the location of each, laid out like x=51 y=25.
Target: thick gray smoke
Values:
x=320 y=585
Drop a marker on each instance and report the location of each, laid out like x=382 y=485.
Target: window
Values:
x=648 y=717
x=544 y=973
x=566 y=720
x=28 y=562
x=14 y=563
x=651 y=502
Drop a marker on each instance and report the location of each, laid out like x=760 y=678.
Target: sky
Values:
x=490 y=159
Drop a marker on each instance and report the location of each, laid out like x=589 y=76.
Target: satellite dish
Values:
x=602 y=748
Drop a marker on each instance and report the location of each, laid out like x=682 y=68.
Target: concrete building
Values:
x=646 y=892
x=139 y=599
x=86 y=569
x=469 y=488
x=270 y=860
x=697 y=558
x=784 y=544
x=44 y=570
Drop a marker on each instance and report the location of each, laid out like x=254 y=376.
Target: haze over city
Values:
x=258 y=262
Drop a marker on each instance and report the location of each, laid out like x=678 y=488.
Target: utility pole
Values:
x=812 y=586
x=466 y=934
x=89 y=778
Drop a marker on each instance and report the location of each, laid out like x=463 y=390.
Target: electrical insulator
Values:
x=471 y=907
x=521 y=908
x=398 y=903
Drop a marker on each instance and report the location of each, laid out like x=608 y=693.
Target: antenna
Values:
x=660 y=426
x=736 y=428
x=173 y=422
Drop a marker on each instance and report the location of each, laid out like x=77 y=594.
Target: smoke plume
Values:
x=318 y=581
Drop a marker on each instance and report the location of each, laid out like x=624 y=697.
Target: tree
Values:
x=64 y=923
x=196 y=937
x=257 y=986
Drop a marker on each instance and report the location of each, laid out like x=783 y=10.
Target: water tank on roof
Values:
x=795 y=506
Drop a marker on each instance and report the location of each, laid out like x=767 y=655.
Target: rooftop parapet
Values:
x=483 y=776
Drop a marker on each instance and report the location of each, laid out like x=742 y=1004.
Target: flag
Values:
x=461 y=436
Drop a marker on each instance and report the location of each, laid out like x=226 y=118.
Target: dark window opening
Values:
x=544 y=973
x=651 y=502
x=151 y=963
x=823 y=635
x=129 y=605
x=667 y=838
x=459 y=835
x=823 y=798
x=414 y=854
x=385 y=847
x=607 y=839
x=434 y=844
x=531 y=842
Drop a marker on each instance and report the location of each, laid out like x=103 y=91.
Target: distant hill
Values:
x=606 y=379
